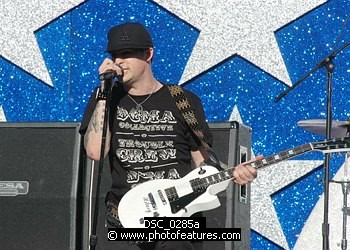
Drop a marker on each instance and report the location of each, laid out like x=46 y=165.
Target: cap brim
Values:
x=127 y=46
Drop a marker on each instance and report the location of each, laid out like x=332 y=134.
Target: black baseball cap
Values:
x=129 y=36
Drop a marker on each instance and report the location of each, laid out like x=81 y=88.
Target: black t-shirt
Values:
x=152 y=143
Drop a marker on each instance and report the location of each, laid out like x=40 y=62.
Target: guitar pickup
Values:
x=153 y=202
x=161 y=196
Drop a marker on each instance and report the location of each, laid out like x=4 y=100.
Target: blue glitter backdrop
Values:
x=73 y=47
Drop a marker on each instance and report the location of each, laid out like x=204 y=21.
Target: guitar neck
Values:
x=281 y=156
x=334 y=145
x=264 y=162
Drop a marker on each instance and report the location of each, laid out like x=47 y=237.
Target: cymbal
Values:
x=318 y=126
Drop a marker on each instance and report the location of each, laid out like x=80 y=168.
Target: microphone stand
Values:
x=329 y=65
x=325 y=226
x=93 y=236
x=322 y=63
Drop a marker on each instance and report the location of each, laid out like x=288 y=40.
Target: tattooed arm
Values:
x=93 y=135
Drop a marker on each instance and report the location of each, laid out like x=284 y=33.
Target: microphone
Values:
x=107 y=76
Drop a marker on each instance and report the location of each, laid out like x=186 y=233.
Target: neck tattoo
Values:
x=139 y=105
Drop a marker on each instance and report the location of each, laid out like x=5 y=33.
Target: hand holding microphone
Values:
x=109 y=75
x=108 y=71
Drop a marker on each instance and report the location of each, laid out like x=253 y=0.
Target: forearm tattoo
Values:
x=98 y=117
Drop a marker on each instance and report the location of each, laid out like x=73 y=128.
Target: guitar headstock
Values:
x=333 y=145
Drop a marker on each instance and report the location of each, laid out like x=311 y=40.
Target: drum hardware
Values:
x=346 y=210
x=326 y=62
x=345 y=184
x=338 y=129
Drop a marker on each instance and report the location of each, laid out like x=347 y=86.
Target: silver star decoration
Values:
x=237 y=27
x=311 y=235
x=2 y=115
x=17 y=26
x=264 y=218
x=271 y=179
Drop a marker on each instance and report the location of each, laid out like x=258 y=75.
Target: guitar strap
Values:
x=188 y=114
x=185 y=108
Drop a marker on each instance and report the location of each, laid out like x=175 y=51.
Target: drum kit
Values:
x=326 y=127
x=338 y=129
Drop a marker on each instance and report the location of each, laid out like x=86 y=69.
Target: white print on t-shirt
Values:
x=138 y=143
x=129 y=143
x=146 y=155
x=134 y=176
x=137 y=116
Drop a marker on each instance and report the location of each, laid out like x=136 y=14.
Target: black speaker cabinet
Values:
x=40 y=165
x=232 y=143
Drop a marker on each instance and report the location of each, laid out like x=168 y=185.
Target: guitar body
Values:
x=197 y=190
x=151 y=199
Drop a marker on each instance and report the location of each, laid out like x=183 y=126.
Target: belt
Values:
x=112 y=219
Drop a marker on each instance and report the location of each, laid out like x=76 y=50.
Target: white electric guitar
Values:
x=197 y=190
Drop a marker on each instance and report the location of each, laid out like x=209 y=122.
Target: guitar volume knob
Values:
x=201 y=171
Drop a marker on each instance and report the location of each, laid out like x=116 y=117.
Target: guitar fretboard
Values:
x=281 y=156
x=200 y=184
x=203 y=183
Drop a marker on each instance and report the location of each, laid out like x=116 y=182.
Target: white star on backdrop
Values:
x=311 y=235
x=20 y=20
x=264 y=218
x=2 y=115
x=271 y=179
x=238 y=27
